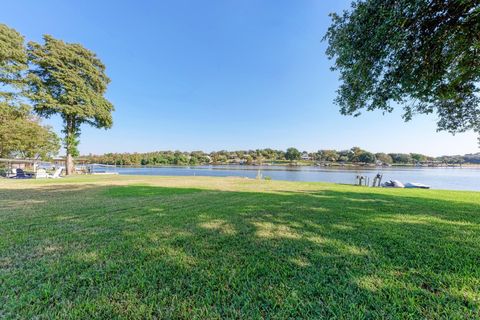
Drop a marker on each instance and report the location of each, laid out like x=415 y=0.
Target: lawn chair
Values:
x=21 y=175
x=11 y=173
x=41 y=174
x=56 y=174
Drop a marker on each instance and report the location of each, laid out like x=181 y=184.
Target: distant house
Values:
x=305 y=156
x=19 y=163
x=60 y=162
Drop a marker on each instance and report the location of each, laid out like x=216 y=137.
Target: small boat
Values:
x=393 y=184
x=398 y=184
x=416 y=185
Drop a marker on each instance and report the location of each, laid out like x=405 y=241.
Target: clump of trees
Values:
x=292 y=154
x=354 y=155
x=469 y=158
x=21 y=132
x=56 y=78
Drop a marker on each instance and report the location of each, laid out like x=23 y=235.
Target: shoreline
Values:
x=265 y=166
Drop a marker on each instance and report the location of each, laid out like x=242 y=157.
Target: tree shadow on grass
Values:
x=144 y=251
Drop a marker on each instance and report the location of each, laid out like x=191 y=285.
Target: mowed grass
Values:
x=211 y=248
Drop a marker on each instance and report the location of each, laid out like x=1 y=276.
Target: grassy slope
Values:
x=139 y=247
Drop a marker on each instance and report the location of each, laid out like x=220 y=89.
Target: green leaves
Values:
x=58 y=78
x=292 y=154
x=13 y=58
x=68 y=80
x=21 y=134
x=423 y=55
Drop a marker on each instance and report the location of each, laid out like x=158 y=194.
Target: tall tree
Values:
x=422 y=54
x=292 y=154
x=21 y=134
x=69 y=80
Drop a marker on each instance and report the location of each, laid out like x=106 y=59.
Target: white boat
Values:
x=393 y=184
x=416 y=185
x=398 y=184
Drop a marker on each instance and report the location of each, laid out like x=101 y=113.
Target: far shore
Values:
x=306 y=164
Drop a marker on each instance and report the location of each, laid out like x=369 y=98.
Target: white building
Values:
x=305 y=156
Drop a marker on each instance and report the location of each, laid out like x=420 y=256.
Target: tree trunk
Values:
x=69 y=130
x=69 y=165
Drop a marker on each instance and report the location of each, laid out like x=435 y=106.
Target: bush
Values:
x=367 y=157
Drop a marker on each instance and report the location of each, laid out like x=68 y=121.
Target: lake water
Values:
x=437 y=178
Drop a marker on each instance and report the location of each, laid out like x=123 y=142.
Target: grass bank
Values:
x=202 y=247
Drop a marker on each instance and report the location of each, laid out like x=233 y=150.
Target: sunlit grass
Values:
x=199 y=247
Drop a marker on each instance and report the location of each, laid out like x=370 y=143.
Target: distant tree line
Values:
x=354 y=155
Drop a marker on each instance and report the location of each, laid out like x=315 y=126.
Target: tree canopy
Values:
x=13 y=62
x=383 y=157
x=292 y=154
x=68 y=80
x=423 y=55
x=21 y=134
x=367 y=157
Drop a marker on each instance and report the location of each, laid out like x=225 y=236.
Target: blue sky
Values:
x=220 y=74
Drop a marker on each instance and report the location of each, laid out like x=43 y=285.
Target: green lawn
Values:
x=197 y=248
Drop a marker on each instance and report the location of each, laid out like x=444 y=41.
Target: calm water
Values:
x=437 y=178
